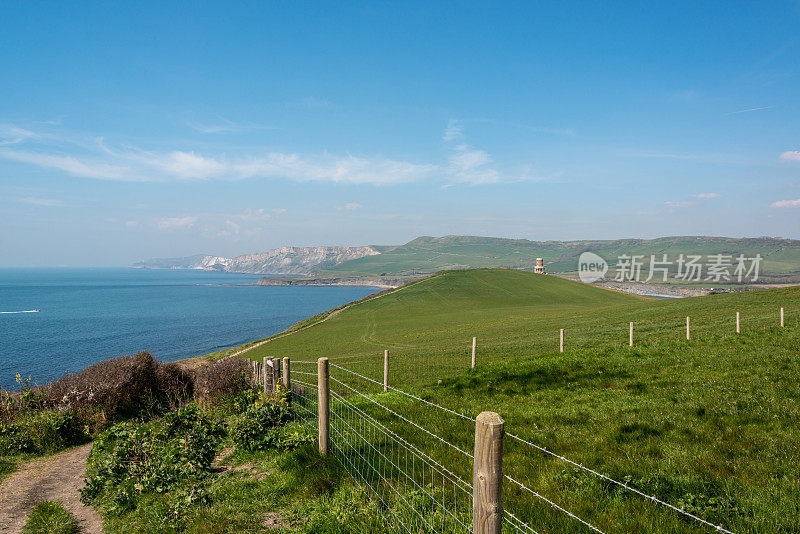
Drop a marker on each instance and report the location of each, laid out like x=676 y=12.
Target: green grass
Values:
x=709 y=424
x=50 y=518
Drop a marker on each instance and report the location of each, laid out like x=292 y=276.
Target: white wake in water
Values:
x=23 y=311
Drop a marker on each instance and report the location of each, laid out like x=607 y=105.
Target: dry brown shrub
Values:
x=112 y=390
x=175 y=385
x=224 y=377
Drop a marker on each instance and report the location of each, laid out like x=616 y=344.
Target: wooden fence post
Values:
x=266 y=376
x=386 y=370
x=276 y=374
x=737 y=323
x=287 y=380
x=561 y=341
x=781 y=317
x=487 y=475
x=474 y=350
x=688 y=328
x=323 y=399
x=630 y=336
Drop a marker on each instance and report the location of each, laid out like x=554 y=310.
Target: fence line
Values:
x=511 y=521
x=535 y=446
x=378 y=457
x=541 y=449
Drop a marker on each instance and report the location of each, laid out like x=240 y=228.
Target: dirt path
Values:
x=55 y=478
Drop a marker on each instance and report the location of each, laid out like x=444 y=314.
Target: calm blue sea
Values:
x=89 y=315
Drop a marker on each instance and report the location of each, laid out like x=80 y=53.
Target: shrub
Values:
x=223 y=378
x=259 y=427
x=42 y=431
x=175 y=385
x=131 y=459
x=121 y=388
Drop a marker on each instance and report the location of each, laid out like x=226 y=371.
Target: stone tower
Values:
x=539 y=269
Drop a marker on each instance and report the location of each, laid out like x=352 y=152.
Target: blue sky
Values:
x=169 y=129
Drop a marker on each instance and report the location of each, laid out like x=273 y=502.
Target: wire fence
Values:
x=419 y=365
x=420 y=473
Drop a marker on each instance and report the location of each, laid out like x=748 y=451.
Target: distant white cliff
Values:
x=283 y=260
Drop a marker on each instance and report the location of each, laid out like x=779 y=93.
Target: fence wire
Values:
x=392 y=456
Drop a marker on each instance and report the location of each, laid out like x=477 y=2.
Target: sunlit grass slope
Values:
x=445 y=311
x=518 y=313
x=710 y=424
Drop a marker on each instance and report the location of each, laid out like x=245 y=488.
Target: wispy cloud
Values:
x=96 y=159
x=453 y=131
x=465 y=163
x=748 y=110
x=223 y=125
x=678 y=204
x=169 y=224
x=35 y=201
x=706 y=195
x=11 y=135
x=68 y=164
x=786 y=204
x=471 y=165
x=350 y=206
x=790 y=155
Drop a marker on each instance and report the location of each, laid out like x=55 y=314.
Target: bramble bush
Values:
x=174 y=453
x=40 y=432
x=260 y=426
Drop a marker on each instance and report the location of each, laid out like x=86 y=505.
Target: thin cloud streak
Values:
x=749 y=110
x=35 y=201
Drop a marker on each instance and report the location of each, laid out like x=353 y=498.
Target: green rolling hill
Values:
x=709 y=424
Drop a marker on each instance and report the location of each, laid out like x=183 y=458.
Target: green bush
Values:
x=131 y=459
x=40 y=432
x=259 y=427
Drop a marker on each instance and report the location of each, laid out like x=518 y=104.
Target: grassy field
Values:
x=709 y=425
x=781 y=257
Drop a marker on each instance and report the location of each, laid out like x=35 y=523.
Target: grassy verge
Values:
x=50 y=518
x=159 y=476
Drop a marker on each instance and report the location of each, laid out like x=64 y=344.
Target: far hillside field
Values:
x=710 y=425
x=781 y=257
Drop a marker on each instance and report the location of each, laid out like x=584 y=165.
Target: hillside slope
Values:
x=781 y=257
x=708 y=424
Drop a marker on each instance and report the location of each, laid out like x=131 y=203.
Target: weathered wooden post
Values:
x=323 y=399
x=474 y=350
x=386 y=370
x=688 y=328
x=266 y=375
x=487 y=475
x=276 y=374
x=630 y=336
x=254 y=365
x=287 y=380
x=561 y=341
x=737 y=323
x=781 y=317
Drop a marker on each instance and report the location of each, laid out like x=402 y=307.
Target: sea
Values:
x=88 y=315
